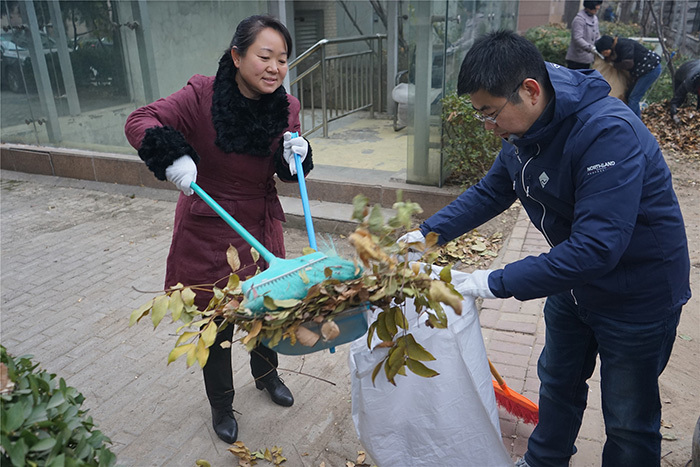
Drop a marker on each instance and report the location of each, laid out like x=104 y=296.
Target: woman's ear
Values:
x=236 y=57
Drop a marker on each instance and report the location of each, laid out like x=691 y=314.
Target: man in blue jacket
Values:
x=593 y=180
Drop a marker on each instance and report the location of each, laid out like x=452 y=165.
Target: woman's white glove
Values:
x=293 y=146
x=182 y=172
x=476 y=284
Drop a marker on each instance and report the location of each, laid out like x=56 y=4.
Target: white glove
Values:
x=182 y=172
x=476 y=285
x=414 y=253
x=293 y=146
x=414 y=236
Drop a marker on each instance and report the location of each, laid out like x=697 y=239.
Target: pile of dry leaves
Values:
x=682 y=137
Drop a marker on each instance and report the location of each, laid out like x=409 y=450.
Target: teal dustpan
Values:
x=284 y=278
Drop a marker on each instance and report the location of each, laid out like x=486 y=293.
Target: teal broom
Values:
x=284 y=278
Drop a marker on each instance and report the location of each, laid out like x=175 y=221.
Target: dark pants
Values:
x=577 y=66
x=218 y=373
x=632 y=356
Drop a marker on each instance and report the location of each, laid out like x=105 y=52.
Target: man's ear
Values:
x=533 y=89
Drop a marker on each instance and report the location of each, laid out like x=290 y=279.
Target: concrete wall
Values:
x=190 y=37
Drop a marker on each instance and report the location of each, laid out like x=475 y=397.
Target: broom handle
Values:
x=305 y=199
x=496 y=375
x=240 y=230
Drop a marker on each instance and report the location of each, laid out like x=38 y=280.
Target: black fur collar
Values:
x=243 y=125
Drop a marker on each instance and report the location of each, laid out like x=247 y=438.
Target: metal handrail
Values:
x=357 y=77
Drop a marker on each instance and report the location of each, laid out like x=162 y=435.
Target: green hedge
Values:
x=468 y=148
x=42 y=423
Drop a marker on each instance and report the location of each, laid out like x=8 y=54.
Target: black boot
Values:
x=224 y=423
x=279 y=393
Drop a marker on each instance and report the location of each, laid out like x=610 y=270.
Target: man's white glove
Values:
x=414 y=236
x=476 y=284
x=293 y=146
x=182 y=172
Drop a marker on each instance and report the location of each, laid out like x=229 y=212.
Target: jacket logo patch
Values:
x=544 y=178
x=599 y=168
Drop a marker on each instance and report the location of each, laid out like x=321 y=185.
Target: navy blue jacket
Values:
x=593 y=180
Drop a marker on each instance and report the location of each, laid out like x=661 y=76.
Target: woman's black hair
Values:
x=591 y=4
x=249 y=28
x=497 y=62
x=604 y=43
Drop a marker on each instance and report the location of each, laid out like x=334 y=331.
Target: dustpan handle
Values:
x=304 y=199
x=240 y=230
x=496 y=375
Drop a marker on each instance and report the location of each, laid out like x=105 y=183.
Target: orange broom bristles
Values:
x=514 y=403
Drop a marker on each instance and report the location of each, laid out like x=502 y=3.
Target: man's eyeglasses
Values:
x=492 y=118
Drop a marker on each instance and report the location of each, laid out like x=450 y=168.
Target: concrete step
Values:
x=331 y=189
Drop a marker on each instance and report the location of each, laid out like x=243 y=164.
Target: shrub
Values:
x=619 y=29
x=468 y=148
x=42 y=424
x=552 y=41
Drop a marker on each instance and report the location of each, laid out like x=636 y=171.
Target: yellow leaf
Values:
x=478 y=246
x=233 y=281
x=176 y=305
x=446 y=274
x=440 y=292
x=191 y=355
x=140 y=312
x=186 y=336
x=232 y=258
x=160 y=307
x=254 y=331
x=304 y=278
x=209 y=334
x=202 y=353
x=188 y=296
x=177 y=352
x=431 y=239
x=286 y=303
x=269 y=303
x=255 y=255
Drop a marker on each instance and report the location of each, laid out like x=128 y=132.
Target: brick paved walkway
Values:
x=514 y=336
x=75 y=254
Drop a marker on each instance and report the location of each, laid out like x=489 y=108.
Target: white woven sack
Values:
x=448 y=420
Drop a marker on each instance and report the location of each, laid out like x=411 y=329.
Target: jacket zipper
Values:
x=544 y=213
x=527 y=193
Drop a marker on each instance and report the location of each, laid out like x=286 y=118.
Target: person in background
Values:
x=593 y=180
x=643 y=65
x=231 y=134
x=686 y=81
x=584 y=33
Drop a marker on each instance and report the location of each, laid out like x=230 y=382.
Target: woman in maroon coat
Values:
x=228 y=133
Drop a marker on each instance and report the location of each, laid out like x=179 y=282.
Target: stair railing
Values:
x=344 y=83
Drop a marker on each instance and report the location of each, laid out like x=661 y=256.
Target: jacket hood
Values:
x=575 y=90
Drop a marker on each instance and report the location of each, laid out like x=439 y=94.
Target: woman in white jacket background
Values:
x=584 y=33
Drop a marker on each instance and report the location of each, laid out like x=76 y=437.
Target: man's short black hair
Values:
x=591 y=4
x=497 y=62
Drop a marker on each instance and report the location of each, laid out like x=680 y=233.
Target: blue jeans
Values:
x=632 y=356
x=640 y=88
